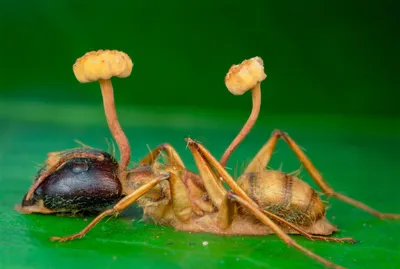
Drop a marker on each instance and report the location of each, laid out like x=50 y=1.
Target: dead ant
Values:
x=83 y=178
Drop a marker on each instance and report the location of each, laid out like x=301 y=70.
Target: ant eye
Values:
x=39 y=191
x=79 y=167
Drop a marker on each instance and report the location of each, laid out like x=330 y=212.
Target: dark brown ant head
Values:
x=71 y=181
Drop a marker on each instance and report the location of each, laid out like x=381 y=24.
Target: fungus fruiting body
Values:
x=241 y=78
x=101 y=66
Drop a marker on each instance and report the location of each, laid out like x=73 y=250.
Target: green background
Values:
x=325 y=57
x=332 y=84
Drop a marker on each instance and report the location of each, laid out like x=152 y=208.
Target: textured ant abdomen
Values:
x=284 y=195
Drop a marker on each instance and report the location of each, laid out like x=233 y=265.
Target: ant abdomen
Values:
x=284 y=195
x=80 y=184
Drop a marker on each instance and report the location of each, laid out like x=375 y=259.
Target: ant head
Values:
x=77 y=180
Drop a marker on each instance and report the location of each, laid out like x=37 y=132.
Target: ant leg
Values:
x=214 y=188
x=207 y=161
x=202 y=153
x=192 y=183
x=120 y=206
x=305 y=234
x=169 y=150
x=199 y=150
x=328 y=190
x=180 y=196
x=181 y=202
x=261 y=160
x=289 y=241
x=55 y=161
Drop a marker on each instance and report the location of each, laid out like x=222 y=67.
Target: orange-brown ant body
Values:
x=260 y=202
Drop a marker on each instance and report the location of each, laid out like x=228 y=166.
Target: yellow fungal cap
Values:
x=102 y=64
x=245 y=76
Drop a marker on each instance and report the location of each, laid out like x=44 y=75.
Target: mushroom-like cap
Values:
x=245 y=76
x=102 y=64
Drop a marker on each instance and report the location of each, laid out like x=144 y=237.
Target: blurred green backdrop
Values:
x=320 y=57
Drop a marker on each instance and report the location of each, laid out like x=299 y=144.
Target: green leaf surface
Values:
x=358 y=156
